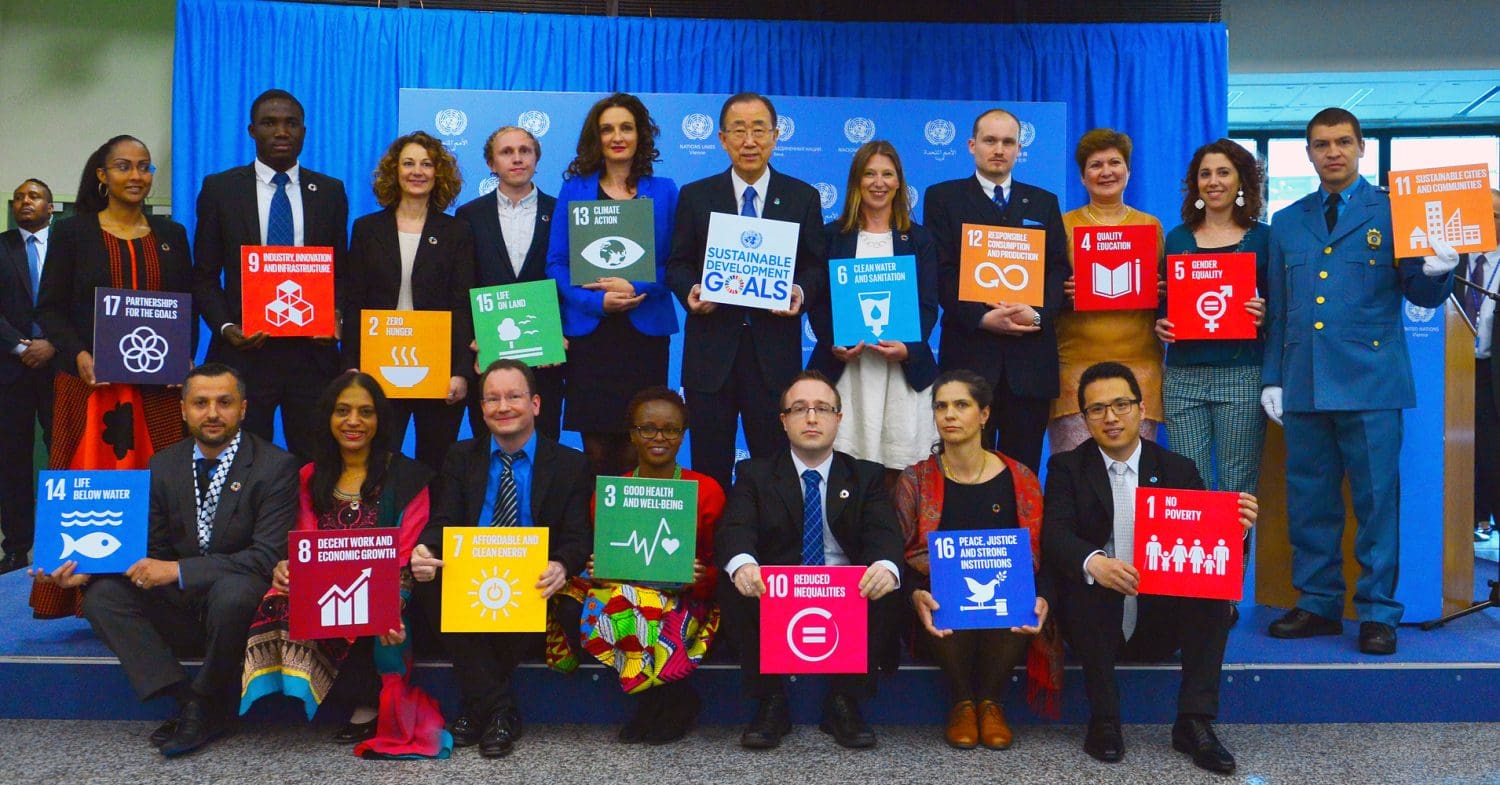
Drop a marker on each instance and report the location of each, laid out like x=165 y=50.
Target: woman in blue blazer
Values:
x=888 y=415
x=618 y=331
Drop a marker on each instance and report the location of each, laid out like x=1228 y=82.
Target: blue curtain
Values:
x=1164 y=84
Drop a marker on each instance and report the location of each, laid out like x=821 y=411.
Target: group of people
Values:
x=950 y=441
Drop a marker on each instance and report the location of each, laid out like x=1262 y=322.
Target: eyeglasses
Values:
x=124 y=167
x=758 y=134
x=1120 y=406
x=514 y=399
x=649 y=432
x=819 y=410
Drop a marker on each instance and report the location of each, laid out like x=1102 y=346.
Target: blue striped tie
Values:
x=812 y=518
x=279 y=229
x=506 y=507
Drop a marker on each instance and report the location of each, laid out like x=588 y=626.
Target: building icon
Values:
x=1452 y=231
x=341 y=606
x=289 y=305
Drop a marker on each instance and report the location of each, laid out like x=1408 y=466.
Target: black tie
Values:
x=206 y=467
x=1474 y=299
x=1331 y=211
x=1000 y=198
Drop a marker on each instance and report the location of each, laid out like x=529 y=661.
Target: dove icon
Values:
x=982 y=595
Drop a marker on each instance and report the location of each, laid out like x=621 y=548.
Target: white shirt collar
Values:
x=761 y=186
x=525 y=201
x=821 y=469
x=989 y=185
x=264 y=173
x=40 y=235
x=1134 y=461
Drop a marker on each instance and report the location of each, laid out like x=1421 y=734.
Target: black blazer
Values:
x=763 y=516
x=16 y=310
x=712 y=341
x=1079 y=508
x=920 y=367
x=562 y=486
x=257 y=507
x=441 y=278
x=77 y=264
x=228 y=218
x=1028 y=362
x=492 y=263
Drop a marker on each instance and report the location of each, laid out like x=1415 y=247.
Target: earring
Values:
x=102 y=190
x=1199 y=203
x=1239 y=198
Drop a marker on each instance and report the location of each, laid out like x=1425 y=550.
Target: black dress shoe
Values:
x=356 y=732
x=498 y=739
x=678 y=714
x=646 y=711
x=465 y=731
x=1377 y=638
x=163 y=732
x=773 y=719
x=13 y=561
x=197 y=725
x=1103 y=741
x=1297 y=623
x=842 y=721
x=1195 y=736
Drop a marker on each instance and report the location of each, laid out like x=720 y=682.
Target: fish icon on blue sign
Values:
x=95 y=546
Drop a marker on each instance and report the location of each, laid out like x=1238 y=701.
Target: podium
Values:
x=1437 y=481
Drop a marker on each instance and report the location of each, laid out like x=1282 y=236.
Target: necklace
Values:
x=984 y=463
x=352 y=498
x=1089 y=209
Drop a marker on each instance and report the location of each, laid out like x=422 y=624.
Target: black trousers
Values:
x=1486 y=444
x=149 y=630
x=23 y=402
x=287 y=374
x=1017 y=424
x=1090 y=617
x=437 y=427
x=716 y=416
x=550 y=384
x=483 y=663
x=742 y=622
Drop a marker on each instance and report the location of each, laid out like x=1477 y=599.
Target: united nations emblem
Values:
x=1372 y=238
x=750 y=239
x=828 y=195
x=785 y=127
x=697 y=126
x=450 y=122
x=939 y=132
x=1416 y=314
x=489 y=184
x=535 y=121
x=1028 y=133
x=911 y=197
x=859 y=129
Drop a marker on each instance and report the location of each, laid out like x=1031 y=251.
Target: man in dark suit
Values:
x=272 y=201
x=508 y=476
x=734 y=359
x=1087 y=540
x=1013 y=346
x=808 y=505
x=511 y=226
x=222 y=503
x=25 y=376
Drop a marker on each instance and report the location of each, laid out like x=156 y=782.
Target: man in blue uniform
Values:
x=1336 y=366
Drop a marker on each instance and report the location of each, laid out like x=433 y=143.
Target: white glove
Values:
x=1270 y=400
x=1443 y=260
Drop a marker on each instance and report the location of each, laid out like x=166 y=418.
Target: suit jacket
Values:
x=1079 y=509
x=583 y=309
x=17 y=313
x=1334 y=336
x=492 y=263
x=257 y=507
x=228 y=218
x=441 y=277
x=1028 y=362
x=920 y=367
x=562 y=485
x=764 y=514
x=711 y=343
x=77 y=263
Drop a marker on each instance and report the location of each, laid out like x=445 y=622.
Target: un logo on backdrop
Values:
x=750 y=239
x=1028 y=133
x=535 y=121
x=697 y=126
x=827 y=195
x=489 y=184
x=785 y=127
x=450 y=122
x=939 y=132
x=911 y=197
x=859 y=129
x=1419 y=315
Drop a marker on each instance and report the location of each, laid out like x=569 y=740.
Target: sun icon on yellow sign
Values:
x=494 y=594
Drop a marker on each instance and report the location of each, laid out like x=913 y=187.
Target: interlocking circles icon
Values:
x=142 y=350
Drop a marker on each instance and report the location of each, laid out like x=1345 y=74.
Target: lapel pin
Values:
x=1153 y=478
x=312 y=186
x=844 y=494
x=995 y=508
x=1025 y=200
x=1372 y=239
x=777 y=200
x=903 y=238
x=235 y=486
x=431 y=240
x=167 y=248
x=546 y=218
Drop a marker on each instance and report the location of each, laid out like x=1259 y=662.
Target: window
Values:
x=1424 y=152
x=1290 y=176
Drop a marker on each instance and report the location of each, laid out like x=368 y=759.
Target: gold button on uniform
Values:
x=1372 y=262
x=1376 y=343
x=1317 y=325
x=1320 y=299
x=1328 y=250
x=1322 y=273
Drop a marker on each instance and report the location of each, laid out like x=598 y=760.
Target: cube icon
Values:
x=289 y=305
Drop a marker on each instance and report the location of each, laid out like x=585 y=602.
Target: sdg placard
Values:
x=1002 y=264
x=613 y=238
x=645 y=529
x=1206 y=295
x=749 y=261
x=408 y=352
x=1114 y=268
x=96 y=518
x=343 y=584
x=812 y=620
x=489 y=578
x=1449 y=203
x=1189 y=543
x=982 y=579
x=518 y=322
x=287 y=290
x=874 y=300
x=142 y=337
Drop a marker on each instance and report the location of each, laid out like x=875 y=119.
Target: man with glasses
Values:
x=808 y=505
x=1087 y=541
x=734 y=359
x=510 y=476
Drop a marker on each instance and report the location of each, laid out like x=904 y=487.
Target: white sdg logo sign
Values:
x=939 y=132
x=143 y=350
x=697 y=126
x=785 y=128
x=612 y=253
x=450 y=122
x=535 y=121
x=859 y=129
x=828 y=195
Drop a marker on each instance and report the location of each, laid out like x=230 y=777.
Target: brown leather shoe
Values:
x=993 y=731
x=963 y=726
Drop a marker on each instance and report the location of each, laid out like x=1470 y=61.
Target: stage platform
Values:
x=58 y=670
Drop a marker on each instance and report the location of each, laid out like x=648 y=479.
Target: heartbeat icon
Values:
x=640 y=546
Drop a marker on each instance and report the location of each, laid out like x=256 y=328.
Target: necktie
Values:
x=279 y=223
x=1124 y=534
x=34 y=259
x=507 y=508
x=812 y=518
x=1000 y=198
x=206 y=467
x=747 y=203
x=1331 y=211
x=1473 y=298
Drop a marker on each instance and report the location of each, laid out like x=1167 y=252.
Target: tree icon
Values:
x=509 y=331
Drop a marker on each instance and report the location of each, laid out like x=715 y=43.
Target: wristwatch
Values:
x=1036 y=318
